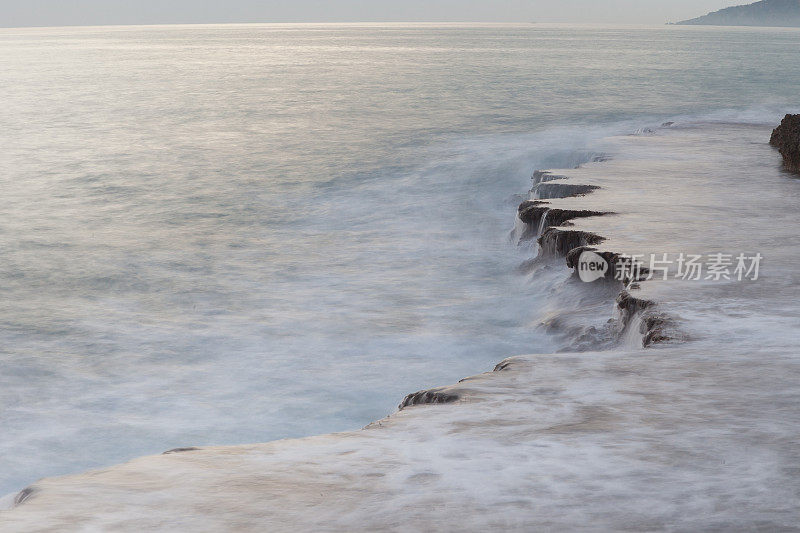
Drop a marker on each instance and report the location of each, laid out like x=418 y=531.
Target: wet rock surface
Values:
x=561 y=217
x=181 y=450
x=23 y=495
x=538 y=215
x=559 y=242
x=531 y=212
x=430 y=396
x=544 y=220
x=654 y=327
x=786 y=138
x=632 y=305
x=548 y=190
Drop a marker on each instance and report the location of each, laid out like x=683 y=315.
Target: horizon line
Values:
x=353 y=22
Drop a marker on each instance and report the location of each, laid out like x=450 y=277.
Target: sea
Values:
x=227 y=234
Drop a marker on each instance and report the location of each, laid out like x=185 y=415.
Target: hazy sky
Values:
x=90 y=12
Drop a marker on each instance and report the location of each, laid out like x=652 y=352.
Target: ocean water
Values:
x=230 y=234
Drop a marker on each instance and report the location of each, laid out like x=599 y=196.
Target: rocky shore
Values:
x=786 y=138
x=695 y=435
x=551 y=226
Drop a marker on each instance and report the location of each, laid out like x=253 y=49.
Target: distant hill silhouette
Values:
x=784 y=13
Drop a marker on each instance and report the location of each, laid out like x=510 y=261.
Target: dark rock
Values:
x=559 y=242
x=559 y=217
x=23 y=495
x=179 y=450
x=531 y=213
x=503 y=365
x=631 y=305
x=655 y=328
x=439 y=395
x=786 y=138
x=545 y=191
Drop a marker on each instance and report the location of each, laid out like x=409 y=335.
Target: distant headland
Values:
x=784 y=13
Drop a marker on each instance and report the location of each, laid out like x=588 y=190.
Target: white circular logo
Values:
x=591 y=266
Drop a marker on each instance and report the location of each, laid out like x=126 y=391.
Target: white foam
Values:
x=693 y=436
x=7 y=501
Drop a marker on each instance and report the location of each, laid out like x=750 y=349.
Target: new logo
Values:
x=591 y=266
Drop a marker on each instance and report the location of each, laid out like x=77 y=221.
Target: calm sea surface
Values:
x=227 y=234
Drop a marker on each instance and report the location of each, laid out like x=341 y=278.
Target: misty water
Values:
x=230 y=234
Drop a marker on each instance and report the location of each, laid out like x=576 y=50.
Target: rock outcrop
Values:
x=653 y=326
x=538 y=215
x=430 y=396
x=786 y=138
x=548 y=190
x=181 y=450
x=532 y=212
x=539 y=218
x=555 y=242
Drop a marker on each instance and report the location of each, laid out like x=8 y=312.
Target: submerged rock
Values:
x=786 y=138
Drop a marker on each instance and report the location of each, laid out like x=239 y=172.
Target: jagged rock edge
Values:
x=429 y=396
x=554 y=241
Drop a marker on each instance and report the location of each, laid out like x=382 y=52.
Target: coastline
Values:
x=578 y=432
